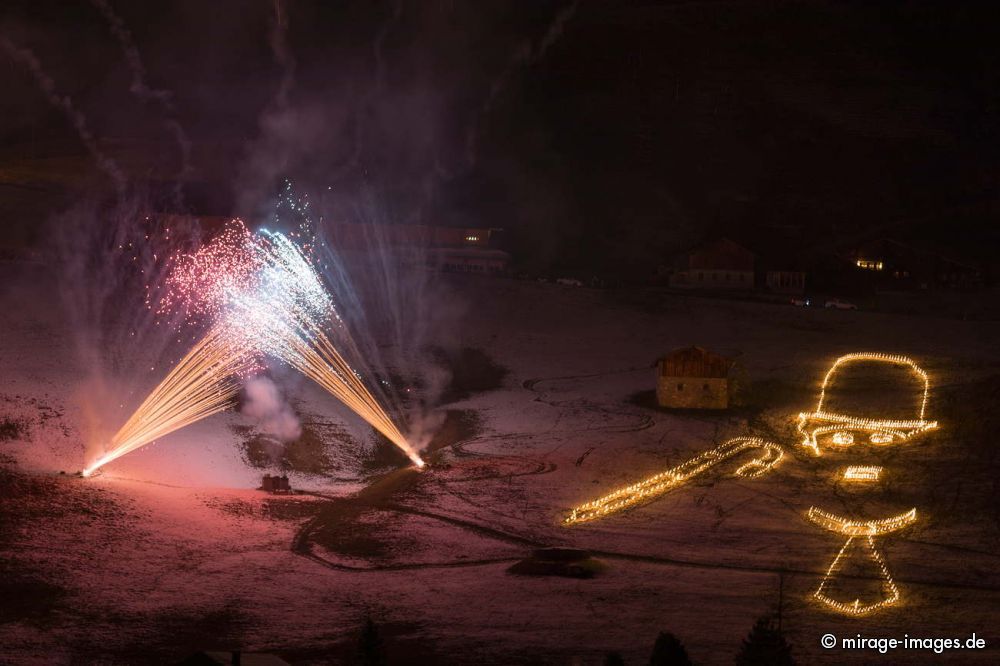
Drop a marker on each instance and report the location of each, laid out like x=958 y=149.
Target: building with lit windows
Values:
x=892 y=264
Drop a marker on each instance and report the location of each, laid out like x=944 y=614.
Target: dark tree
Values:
x=370 y=645
x=613 y=659
x=668 y=651
x=765 y=644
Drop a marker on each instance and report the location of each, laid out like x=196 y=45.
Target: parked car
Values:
x=569 y=282
x=839 y=304
x=800 y=302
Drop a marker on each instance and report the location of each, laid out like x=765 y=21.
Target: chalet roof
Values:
x=695 y=362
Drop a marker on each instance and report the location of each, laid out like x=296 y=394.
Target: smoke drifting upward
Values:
x=283 y=133
x=524 y=55
x=139 y=88
x=132 y=58
x=265 y=404
x=282 y=54
x=62 y=102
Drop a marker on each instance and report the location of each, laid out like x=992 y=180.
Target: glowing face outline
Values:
x=820 y=422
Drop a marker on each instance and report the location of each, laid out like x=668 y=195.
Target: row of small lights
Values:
x=855 y=607
x=657 y=484
x=884 y=430
x=862 y=473
x=854 y=528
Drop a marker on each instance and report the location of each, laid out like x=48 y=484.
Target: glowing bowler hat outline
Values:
x=820 y=422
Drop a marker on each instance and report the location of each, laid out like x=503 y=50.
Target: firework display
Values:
x=203 y=383
x=263 y=297
x=286 y=315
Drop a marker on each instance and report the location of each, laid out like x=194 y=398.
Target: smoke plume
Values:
x=267 y=406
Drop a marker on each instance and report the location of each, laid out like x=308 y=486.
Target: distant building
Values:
x=448 y=249
x=693 y=378
x=718 y=264
x=779 y=260
x=785 y=281
x=893 y=264
x=353 y=236
x=481 y=261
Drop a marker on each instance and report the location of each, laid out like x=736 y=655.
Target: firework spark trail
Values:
x=207 y=378
x=202 y=383
x=286 y=316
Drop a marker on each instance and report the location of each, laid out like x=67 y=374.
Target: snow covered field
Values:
x=170 y=550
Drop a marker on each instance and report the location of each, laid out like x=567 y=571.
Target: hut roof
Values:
x=695 y=362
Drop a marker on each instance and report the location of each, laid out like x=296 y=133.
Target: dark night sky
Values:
x=600 y=133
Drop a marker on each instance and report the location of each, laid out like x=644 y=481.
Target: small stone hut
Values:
x=693 y=378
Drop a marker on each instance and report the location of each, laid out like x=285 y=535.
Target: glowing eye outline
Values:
x=881 y=438
x=842 y=438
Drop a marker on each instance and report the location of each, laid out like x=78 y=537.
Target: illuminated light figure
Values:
x=862 y=473
x=843 y=438
x=845 y=431
x=853 y=528
x=842 y=430
x=864 y=530
x=882 y=431
x=647 y=489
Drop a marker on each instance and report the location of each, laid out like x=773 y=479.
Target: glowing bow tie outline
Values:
x=865 y=530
